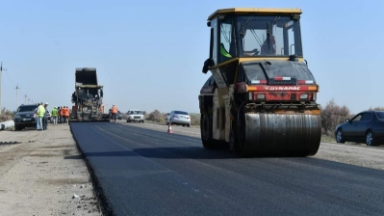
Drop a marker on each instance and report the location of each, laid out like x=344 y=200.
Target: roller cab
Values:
x=261 y=96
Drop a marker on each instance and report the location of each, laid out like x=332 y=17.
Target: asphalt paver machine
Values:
x=88 y=97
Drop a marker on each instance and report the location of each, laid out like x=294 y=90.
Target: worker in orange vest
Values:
x=114 y=111
x=66 y=114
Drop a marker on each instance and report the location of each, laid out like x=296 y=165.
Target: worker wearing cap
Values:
x=114 y=111
x=54 y=115
x=45 y=118
x=39 y=116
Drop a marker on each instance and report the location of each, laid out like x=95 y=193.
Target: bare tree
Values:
x=332 y=115
x=6 y=115
x=156 y=116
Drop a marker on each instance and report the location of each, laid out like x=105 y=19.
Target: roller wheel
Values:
x=276 y=135
x=206 y=132
x=238 y=131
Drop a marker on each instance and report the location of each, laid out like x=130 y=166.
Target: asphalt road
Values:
x=146 y=172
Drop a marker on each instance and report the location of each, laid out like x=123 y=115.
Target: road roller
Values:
x=260 y=97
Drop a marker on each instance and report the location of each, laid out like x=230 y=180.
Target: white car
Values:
x=135 y=116
x=179 y=118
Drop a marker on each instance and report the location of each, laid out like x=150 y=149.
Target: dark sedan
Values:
x=367 y=126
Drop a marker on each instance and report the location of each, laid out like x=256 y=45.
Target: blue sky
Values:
x=149 y=54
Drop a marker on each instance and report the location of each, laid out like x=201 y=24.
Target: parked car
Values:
x=367 y=126
x=135 y=116
x=119 y=115
x=179 y=118
x=24 y=116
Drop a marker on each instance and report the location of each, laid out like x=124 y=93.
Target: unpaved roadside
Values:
x=359 y=155
x=44 y=175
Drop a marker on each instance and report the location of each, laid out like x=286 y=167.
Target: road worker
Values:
x=66 y=114
x=61 y=114
x=46 y=116
x=114 y=111
x=40 y=112
x=54 y=115
x=58 y=115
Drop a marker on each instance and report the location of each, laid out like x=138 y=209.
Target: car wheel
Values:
x=339 y=136
x=369 y=139
x=188 y=125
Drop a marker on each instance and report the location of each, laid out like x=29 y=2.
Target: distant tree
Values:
x=195 y=118
x=333 y=115
x=377 y=108
x=156 y=116
x=145 y=115
x=6 y=115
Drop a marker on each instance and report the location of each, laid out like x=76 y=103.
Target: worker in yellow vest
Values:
x=40 y=115
x=54 y=115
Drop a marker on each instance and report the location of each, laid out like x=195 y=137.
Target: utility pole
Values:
x=1 y=70
x=17 y=88
x=25 y=99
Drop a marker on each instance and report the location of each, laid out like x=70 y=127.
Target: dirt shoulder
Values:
x=354 y=154
x=44 y=175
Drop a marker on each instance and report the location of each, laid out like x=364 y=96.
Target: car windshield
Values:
x=266 y=35
x=26 y=108
x=380 y=115
x=181 y=113
x=136 y=112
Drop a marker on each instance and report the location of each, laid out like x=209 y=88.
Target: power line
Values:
x=9 y=78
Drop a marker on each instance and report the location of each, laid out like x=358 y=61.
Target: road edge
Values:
x=104 y=206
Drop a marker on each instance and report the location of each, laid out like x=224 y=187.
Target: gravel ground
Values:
x=359 y=155
x=44 y=175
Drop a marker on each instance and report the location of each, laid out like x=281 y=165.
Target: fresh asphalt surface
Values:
x=146 y=172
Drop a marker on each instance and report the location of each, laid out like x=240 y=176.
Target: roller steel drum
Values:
x=286 y=134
